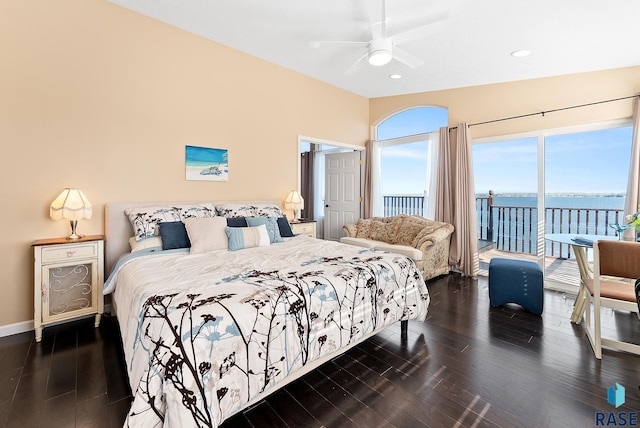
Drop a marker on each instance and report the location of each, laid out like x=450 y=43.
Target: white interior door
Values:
x=342 y=192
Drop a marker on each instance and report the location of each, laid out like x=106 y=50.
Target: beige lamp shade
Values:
x=295 y=202
x=73 y=205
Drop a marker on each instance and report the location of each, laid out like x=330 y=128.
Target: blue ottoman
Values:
x=516 y=281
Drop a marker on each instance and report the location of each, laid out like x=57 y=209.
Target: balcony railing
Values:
x=403 y=204
x=514 y=228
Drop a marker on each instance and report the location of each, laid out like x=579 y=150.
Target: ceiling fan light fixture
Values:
x=520 y=53
x=380 y=52
x=379 y=58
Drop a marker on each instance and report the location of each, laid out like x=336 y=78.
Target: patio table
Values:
x=580 y=244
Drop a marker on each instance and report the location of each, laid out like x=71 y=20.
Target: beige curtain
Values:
x=633 y=185
x=444 y=194
x=368 y=179
x=307 y=183
x=464 y=241
x=373 y=204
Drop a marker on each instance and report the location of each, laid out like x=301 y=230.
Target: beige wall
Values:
x=489 y=102
x=97 y=97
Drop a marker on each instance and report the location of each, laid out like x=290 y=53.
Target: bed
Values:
x=207 y=334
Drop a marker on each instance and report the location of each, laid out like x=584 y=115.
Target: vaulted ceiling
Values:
x=464 y=43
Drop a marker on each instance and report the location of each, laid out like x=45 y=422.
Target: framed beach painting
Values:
x=206 y=164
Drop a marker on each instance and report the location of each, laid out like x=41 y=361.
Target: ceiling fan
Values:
x=382 y=48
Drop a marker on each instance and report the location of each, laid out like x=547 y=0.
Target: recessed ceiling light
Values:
x=395 y=76
x=521 y=53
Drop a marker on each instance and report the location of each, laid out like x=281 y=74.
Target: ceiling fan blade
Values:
x=434 y=26
x=406 y=58
x=320 y=43
x=356 y=65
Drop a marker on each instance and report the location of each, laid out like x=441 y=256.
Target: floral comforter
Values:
x=205 y=333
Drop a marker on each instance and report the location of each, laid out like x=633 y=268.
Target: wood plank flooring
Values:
x=467 y=365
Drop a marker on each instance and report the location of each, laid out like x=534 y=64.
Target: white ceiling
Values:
x=471 y=46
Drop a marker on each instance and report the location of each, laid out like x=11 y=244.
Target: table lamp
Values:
x=72 y=205
x=294 y=202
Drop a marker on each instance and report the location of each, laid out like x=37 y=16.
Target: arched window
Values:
x=408 y=154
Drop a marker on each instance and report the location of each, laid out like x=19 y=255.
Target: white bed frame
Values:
x=118 y=230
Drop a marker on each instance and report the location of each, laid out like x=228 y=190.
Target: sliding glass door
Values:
x=506 y=181
x=586 y=173
x=568 y=181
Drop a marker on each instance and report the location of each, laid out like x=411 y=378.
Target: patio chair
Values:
x=616 y=265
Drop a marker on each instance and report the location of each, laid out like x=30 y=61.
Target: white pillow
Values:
x=145 y=219
x=206 y=234
x=154 y=241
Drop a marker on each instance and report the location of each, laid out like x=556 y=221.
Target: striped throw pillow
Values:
x=247 y=237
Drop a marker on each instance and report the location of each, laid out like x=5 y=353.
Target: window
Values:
x=406 y=151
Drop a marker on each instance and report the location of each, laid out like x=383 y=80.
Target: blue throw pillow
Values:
x=285 y=227
x=272 y=227
x=236 y=222
x=174 y=235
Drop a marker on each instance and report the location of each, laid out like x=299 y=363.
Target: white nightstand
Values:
x=68 y=279
x=304 y=227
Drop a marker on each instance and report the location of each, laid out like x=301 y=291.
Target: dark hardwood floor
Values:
x=467 y=365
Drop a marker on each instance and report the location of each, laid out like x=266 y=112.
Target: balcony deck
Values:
x=559 y=270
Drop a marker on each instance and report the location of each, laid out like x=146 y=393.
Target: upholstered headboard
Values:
x=118 y=230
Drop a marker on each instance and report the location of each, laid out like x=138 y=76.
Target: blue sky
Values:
x=403 y=166
x=586 y=162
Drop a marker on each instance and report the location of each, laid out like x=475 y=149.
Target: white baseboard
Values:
x=21 y=327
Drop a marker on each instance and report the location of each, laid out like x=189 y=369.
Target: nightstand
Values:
x=304 y=227
x=68 y=279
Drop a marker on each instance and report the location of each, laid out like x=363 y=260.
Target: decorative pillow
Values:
x=362 y=228
x=206 y=234
x=285 y=227
x=203 y=210
x=385 y=232
x=174 y=235
x=272 y=227
x=247 y=237
x=152 y=242
x=248 y=210
x=268 y=210
x=426 y=231
x=145 y=219
x=409 y=229
x=236 y=222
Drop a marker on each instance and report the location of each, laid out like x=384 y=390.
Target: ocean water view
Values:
x=565 y=201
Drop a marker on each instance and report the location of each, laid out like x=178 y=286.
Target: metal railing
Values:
x=514 y=228
x=403 y=204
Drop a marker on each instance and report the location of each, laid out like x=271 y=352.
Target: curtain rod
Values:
x=548 y=111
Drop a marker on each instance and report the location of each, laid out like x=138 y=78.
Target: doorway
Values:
x=311 y=179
